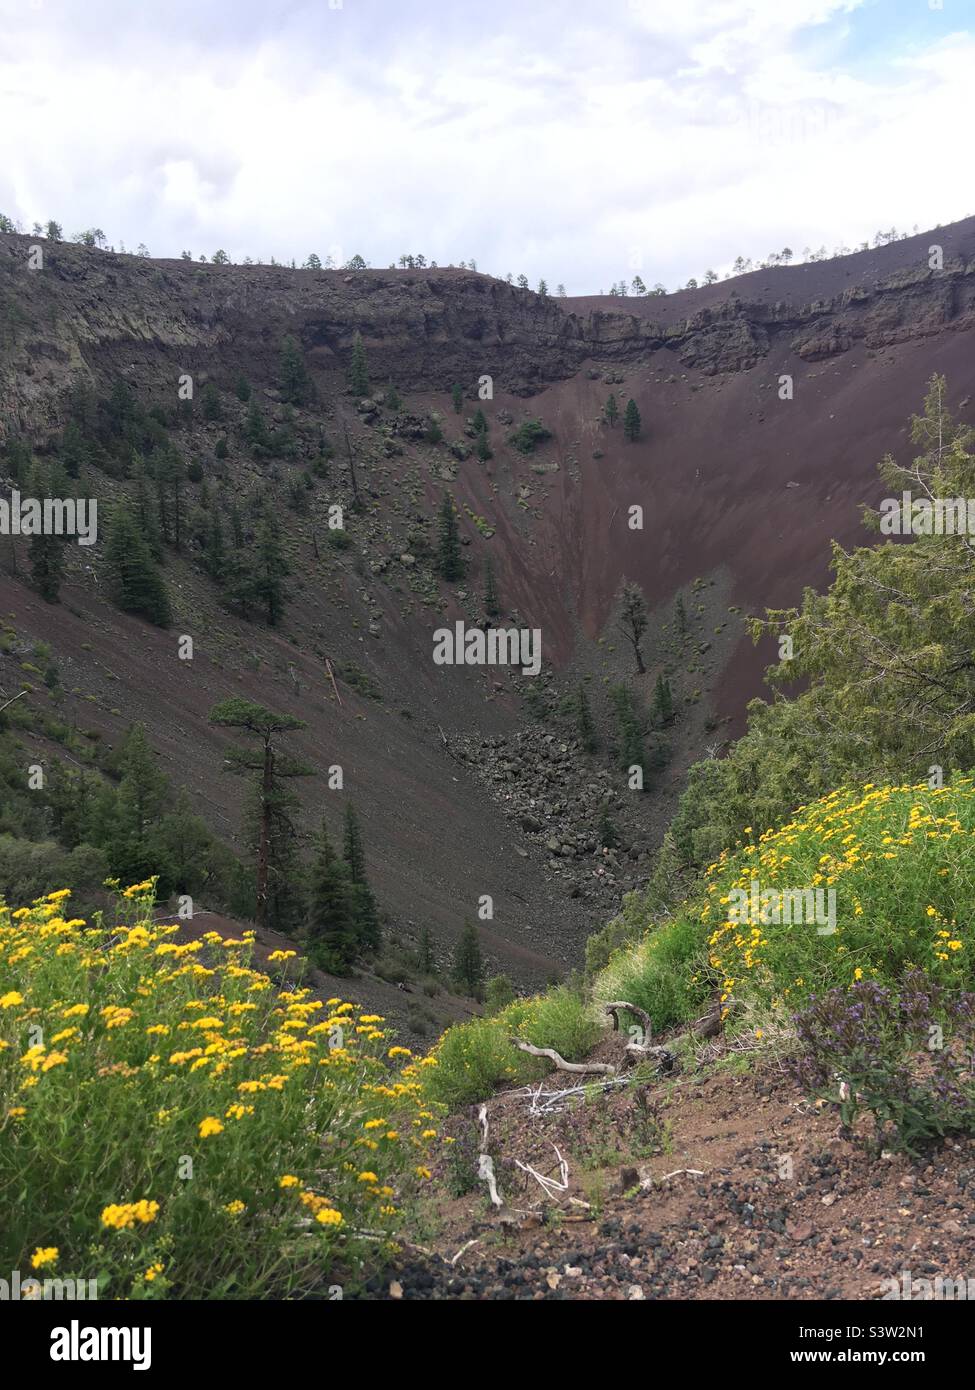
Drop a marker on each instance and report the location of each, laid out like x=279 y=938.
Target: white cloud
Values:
x=571 y=143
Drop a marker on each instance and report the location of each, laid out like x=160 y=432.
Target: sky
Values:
x=583 y=141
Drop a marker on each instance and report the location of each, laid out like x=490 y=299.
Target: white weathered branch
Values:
x=582 y=1068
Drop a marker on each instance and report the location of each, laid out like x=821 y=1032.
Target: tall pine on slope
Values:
x=139 y=804
x=273 y=805
x=585 y=725
x=364 y=910
x=468 y=963
x=358 y=367
x=135 y=584
x=46 y=551
x=450 y=561
x=492 y=604
x=331 y=931
x=631 y=421
x=296 y=384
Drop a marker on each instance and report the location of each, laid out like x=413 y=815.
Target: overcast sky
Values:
x=579 y=140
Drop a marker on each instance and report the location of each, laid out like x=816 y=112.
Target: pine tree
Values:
x=135 y=584
x=631 y=421
x=499 y=992
x=296 y=385
x=585 y=725
x=629 y=729
x=139 y=804
x=393 y=400
x=457 y=396
x=450 y=561
x=214 y=549
x=492 y=605
x=662 y=705
x=45 y=551
x=358 y=367
x=267 y=575
x=210 y=401
x=426 y=961
x=364 y=910
x=634 y=619
x=243 y=389
x=75 y=452
x=255 y=430
x=274 y=834
x=606 y=830
x=468 y=964
x=611 y=410
x=482 y=449
x=331 y=928
x=144 y=513
x=479 y=421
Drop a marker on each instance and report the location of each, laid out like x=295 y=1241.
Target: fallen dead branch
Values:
x=548 y=1185
x=581 y=1068
x=485 y=1163
x=619 y=1006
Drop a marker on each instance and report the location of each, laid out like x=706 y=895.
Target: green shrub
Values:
x=527 y=437
x=663 y=974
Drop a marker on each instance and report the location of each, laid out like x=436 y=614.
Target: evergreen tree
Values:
x=210 y=401
x=296 y=384
x=426 y=961
x=634 y=619
x=169 y=473
x=139 y=804
x=542 y=288
x=274 y=836
x=214 y=549
x=468 y=964
x=492 y=605
x=135 y=584
x=45 y=550
x=331 y=929
x=74 y=449
x=662 y=705
x=482 y=448
x=457 y=396
x=606 y=830
x=629 y=729
x=611 y=410
x=243 y=389
x=358 y=367
x=479 y=421
x=585 y=725
x=393 y=401
x=499 y=992
x=144 y=513
x=631 y=421
x=365 y=912
x=450 y=561
x=255 y=430
x=256 y=577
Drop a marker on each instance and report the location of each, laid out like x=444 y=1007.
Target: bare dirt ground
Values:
x=717 y=1186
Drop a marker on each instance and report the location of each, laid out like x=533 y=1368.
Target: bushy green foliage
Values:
x=527 y=437
x=473 y=1058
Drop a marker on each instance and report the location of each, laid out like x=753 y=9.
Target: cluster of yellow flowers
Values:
x=122 y=1216
x=139 y=1048
x=848 y=842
